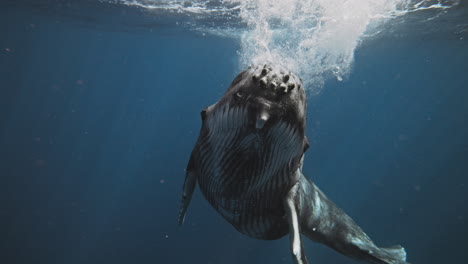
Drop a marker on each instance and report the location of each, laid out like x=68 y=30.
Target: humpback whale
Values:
x=247 y=162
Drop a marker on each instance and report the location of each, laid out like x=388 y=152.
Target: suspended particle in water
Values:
x=39 y=163
x=402 y=137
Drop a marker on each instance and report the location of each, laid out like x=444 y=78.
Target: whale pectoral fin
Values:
x=324 y=222
x=189 y=186
x=306 y=144
x=292 y=209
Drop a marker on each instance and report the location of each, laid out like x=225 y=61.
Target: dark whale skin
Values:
x=232 y=157
x=248 y=164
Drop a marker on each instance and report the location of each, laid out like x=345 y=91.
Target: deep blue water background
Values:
x=97 y=124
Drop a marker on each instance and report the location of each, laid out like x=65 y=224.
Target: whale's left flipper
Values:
x=292 y=210
x=322 y=221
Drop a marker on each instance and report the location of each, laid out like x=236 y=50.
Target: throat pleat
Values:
x=242 y=170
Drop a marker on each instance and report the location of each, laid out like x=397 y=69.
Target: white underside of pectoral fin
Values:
x=294 y=227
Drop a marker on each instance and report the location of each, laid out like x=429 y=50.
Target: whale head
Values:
x=269 y=94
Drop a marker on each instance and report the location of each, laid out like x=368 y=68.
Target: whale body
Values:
x=247 y=162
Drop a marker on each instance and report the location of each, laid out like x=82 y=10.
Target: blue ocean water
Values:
x=99 y=111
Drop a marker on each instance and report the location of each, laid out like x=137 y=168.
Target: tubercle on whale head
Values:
x=270 y=93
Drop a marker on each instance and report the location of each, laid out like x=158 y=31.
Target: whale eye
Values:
x=239 y=94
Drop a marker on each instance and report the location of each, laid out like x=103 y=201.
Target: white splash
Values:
x=316 y=39
x=313 y=38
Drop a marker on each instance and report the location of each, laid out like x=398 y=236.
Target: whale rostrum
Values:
x=247 y=162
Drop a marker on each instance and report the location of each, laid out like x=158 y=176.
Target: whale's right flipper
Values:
x=324 y=222
x=189 y=186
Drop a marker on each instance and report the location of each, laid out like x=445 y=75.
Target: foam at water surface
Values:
x=316 y=39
